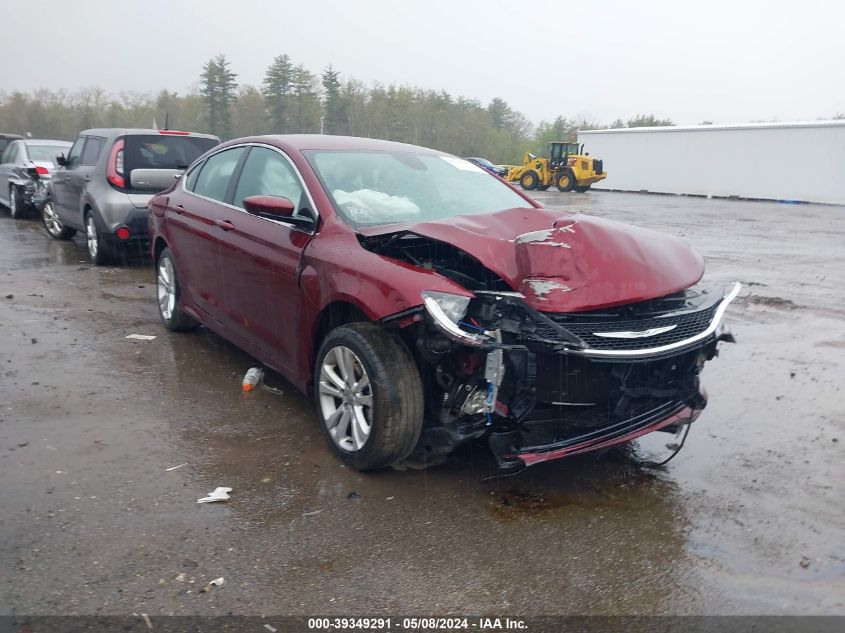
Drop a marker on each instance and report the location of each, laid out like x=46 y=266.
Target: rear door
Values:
x=261 y=259
x=195 y=227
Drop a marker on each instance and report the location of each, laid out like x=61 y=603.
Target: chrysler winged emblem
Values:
x=641 y=334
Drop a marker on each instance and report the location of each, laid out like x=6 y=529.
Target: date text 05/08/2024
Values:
x=416 y=624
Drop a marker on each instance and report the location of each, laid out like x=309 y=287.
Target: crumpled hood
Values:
x=564 y=262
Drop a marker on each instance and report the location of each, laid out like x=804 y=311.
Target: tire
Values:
x=582 y=189
x=16 y=205
x=529 y=180
x=394 y=391
x=55 y=228
x=169 y=295
x=565 y=180
x=99 y=252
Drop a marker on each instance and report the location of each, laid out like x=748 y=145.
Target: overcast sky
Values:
x=722 y=61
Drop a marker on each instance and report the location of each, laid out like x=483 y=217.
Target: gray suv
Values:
x=103 y=185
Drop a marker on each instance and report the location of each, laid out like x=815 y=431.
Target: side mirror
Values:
x=269 y=206
x=61 y=161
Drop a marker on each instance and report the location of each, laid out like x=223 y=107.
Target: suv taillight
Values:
x=114 y=174
x=41 y=171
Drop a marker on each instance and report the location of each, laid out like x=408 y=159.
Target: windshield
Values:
x=370 y=188
x=163 y=151
x=45 y=153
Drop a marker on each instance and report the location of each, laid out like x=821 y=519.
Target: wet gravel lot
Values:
x=749 y=518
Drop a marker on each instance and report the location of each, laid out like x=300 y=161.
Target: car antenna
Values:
x=166 y=120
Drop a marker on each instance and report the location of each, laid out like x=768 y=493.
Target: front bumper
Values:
x=604 y=437
x=554 y=385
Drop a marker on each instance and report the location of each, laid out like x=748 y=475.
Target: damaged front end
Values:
x=541 y=385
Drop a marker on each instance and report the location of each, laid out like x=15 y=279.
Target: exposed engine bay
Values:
x=536 y=383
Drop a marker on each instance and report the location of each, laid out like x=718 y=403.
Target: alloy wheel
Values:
x=166 y=288
x=92 y=237
x=51 y=219
x=346 y=398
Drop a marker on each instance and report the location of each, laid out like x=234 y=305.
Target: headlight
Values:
x=447 y=310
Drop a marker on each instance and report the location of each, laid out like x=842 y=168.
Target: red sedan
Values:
x=425 y=303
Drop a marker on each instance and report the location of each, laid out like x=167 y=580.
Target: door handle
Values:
x=87 y=177
x=179 y=209
x=225 y=225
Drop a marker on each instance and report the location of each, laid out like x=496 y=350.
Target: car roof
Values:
x=120 y=131
x=44 y=141
x=301 y=142
x=10 y=136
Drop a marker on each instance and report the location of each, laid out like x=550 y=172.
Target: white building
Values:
x=801 y=161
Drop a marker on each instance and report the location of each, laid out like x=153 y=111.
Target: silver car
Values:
x=103 y=185
x=25 y=166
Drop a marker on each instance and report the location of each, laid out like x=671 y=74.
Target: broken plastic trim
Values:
x=449 y=328
x=652 y=351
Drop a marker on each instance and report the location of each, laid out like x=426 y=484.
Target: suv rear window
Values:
x=163 y=151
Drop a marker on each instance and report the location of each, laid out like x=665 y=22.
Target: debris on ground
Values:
x=312 y=513
x=270 y=628
x=217 y=582
x=175 y=467
x=353 y=495
x=252 y=377
x=266 y=387
x=805 y=562
x=220 y=493
x=141 y=337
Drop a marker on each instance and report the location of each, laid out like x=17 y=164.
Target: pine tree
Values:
x=305 y=110
x=277 y=90
x=335 y=116
x=218 y=86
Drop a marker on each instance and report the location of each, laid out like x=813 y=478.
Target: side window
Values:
x=76 y=151
x=267 y=173
x=11 y=153
x=92 y=151
x=214 y=177
x=191 y=177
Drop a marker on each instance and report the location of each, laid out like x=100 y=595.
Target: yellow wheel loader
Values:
x=568 y=168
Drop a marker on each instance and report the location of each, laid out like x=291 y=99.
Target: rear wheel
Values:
x=169 y=295
x=53 y=224
x=582 y=189
x=529 y=180
x=565 y=180
x=16 y=205
x=100 y=252
x=368 y=395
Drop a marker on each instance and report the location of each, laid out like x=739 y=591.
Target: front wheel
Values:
x=368 y=395
x=529 y=180
x=169 y=295
x=53 y=223
x=582 y=189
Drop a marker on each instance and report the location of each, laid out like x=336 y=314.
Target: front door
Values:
x=65 y=201
x=261 y=259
